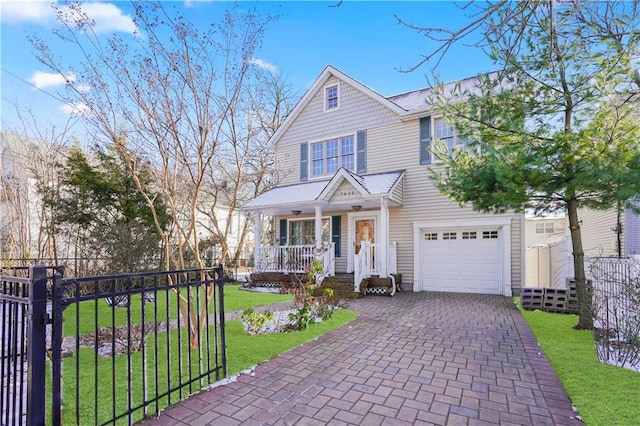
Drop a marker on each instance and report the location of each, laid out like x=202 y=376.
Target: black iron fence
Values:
x=108 y=349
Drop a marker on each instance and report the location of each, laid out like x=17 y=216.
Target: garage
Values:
x=462 y=260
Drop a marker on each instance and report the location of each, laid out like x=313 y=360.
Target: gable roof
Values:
x=319 y=83
x=283 y=199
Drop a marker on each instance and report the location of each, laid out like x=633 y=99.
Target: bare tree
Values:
x=30 y=152
x=244 y=167
x=165 y=95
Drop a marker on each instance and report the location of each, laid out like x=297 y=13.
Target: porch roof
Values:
x=305 y=196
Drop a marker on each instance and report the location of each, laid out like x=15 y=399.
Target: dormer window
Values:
x=331 y=95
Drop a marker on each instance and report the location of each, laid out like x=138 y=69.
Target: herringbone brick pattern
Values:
x=416 y=358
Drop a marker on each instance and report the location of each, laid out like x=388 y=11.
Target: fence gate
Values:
x=121 y=347
x=22 y=349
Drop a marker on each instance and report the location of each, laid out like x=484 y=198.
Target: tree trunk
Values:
x=585 y=317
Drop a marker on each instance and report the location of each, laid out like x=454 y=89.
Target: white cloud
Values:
x=42 y=80
x=17 y=12
x=264 y=65
x=78 y=109
x=106 y=16
x=83 y=88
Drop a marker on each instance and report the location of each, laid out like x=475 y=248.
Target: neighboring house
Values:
x=600 y=232
x=542 y=230
x=357 y=194
x=20 y=231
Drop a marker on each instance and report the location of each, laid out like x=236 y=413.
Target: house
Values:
x=608 y=233
x=546 y=229
x=357 y=195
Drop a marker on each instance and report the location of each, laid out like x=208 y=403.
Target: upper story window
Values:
x=319 y=159
x=332 y=97
x=544 y=228
x=328 y=156
x=438 y=130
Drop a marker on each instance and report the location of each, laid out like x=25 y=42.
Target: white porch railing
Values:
x=366 y=263
x=296 y=259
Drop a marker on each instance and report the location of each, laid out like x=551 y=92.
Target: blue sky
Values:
x=363 y=39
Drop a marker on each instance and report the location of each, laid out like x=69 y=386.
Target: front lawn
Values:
x=89 y=315
x=96 y=382
x=603 y=394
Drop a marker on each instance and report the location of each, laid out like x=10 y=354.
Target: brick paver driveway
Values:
x=416 y=358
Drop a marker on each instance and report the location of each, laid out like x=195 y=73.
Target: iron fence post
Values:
x=56 y=350
x=36 y=346
x=223 y=339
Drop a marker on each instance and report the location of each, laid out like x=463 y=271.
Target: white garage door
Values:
x=462 y=260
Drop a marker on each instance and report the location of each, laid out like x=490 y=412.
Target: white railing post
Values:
x=257 y=240
x=392 y=267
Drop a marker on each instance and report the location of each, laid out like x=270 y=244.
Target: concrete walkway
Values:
x=416 y=358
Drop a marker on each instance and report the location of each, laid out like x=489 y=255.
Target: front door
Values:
x=364 y=229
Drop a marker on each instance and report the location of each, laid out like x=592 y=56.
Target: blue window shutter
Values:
x=304 y=162
x=425 y=140
x=283 y=232
x=335 y=233
x=362 y=151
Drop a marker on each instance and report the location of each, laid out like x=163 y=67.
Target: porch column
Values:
x=318 y=227
x=384 y=237
x=257 y=240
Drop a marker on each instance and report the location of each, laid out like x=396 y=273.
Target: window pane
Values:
x=317 y=167
x=295 y=233
x=316 y=151
x=332 y=165
x=332 y=97
x=326 y=230
x=332 y=148
x=347 y=162
x=347 y=145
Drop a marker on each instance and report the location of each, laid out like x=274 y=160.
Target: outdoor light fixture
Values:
x=356 y=208
x=296 y=212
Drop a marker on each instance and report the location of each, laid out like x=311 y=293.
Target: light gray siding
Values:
x=598 y=237
x=422 y=201
x=356 y=112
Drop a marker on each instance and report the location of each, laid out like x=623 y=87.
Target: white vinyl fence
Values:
x=549 y=265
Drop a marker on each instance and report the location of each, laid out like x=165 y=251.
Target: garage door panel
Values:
x=461 y=265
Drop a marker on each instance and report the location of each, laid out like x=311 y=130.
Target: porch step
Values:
x=342 y=286
x=377 y=285
x=346 y=279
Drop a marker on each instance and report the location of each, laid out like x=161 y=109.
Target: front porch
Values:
x=286 y=266
x=336 y=225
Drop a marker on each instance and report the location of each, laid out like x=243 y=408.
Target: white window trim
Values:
x=326 y=100
x=310 y=174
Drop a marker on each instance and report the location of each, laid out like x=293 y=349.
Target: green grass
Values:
x=238 y=300
x=603 y=394
x=93 y=314
x=243 y=351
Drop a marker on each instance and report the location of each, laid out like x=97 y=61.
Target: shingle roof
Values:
x=309 y=192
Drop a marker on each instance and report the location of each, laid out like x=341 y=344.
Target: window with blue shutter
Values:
x=304 y=162
x=283 y=232
x=362 y=151
x=425 y=140
x=335 y=233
